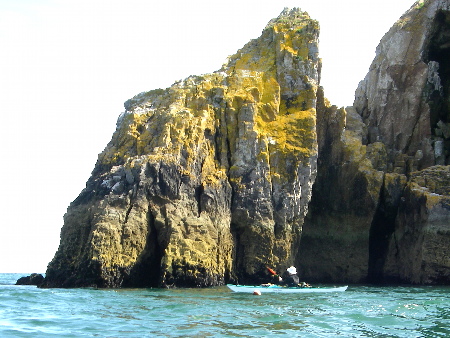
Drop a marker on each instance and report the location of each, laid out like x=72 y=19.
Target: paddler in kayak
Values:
x=290 y=277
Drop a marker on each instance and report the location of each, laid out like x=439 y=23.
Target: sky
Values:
x=67 y=67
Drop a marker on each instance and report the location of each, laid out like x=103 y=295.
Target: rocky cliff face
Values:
x=380 y=207
x=206 y=181
x=211 y=180
x=404 y=98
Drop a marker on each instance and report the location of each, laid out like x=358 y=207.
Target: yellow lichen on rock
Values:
x=194 y=173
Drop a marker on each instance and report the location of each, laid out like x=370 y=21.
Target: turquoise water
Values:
x=361 y=311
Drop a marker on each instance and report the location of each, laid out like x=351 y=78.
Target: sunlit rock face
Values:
x=380 y=207
x=213 y=179
x=206 y=181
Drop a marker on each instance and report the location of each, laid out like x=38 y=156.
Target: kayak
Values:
x=283 y=289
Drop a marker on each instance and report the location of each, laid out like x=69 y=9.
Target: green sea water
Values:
x=361 y=311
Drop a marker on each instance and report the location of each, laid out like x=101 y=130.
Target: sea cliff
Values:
x=206 y=181
x=212 y=179
x=380 y=207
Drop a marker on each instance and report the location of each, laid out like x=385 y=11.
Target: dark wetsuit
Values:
x=290 y=280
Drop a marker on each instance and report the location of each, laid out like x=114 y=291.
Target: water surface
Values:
x=361 y=311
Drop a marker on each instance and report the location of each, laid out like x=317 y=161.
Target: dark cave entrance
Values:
x=438 y=60
x=381 y=231
x=147 y=270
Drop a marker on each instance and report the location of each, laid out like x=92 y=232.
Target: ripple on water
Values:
x=361 y=311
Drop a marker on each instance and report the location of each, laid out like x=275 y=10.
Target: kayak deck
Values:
x=282 y=289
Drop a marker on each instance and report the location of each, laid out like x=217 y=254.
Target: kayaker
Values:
x=290 y=277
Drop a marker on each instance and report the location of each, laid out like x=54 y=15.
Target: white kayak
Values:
x=283 y=289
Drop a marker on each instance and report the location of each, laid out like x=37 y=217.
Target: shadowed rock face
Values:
x=418 y=250
x=375 y=214
x=336 y=232
x=206 y=181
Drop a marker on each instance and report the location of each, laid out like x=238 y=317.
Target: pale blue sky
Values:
x=67 y=66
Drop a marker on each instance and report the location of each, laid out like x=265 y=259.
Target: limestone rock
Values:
x=206 y=181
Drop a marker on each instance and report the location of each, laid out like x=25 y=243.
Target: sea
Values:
x=361 y=311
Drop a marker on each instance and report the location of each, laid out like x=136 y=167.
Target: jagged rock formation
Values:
x=212 y=179
x=380 y=207
x=206 y=181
